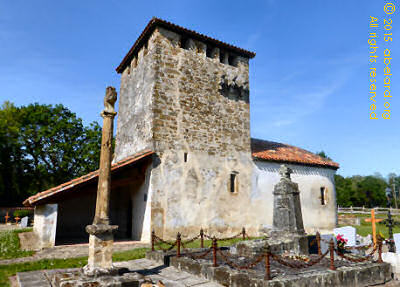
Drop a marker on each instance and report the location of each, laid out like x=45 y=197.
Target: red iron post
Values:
x=201 y=238
x=380 y=250
x=214 y=247
x=153 y=238
x=178 y=245
x=267 y=264
x=332 y=255
x=318 y=238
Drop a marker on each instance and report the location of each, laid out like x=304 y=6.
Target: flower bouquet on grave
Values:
x=341 y=243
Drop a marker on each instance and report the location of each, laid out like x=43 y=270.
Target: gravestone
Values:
x=396 y=238
x=348 y=233
x=24 y=222
x=325 y=239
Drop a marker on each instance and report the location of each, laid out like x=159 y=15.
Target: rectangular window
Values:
x=322 y=195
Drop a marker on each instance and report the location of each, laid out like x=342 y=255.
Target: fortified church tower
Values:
x=186 y=96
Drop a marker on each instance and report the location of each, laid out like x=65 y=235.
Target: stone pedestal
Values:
x=101 y=239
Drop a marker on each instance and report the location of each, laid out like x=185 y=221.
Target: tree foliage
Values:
x=368 y=191
x=42 y=146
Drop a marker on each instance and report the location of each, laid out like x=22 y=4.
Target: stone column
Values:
x=101 y=232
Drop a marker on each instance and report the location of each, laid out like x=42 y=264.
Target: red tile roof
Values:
x=154 y=22
x=34 y=199
x=279 y=152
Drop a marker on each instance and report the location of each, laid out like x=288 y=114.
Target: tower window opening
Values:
x=233 y=183
x=323 y=190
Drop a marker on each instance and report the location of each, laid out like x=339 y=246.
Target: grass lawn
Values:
x=9 y=244
x=10 y=270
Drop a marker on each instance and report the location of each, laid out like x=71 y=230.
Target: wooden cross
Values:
x=17 y=219
x=373 y=220
x=7 y=217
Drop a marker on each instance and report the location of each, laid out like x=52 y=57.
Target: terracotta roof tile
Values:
x=279 y=152
x=77 y=181
x=154 y=22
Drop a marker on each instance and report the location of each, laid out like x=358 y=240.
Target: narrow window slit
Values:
x=322 y=195
x=233 y=183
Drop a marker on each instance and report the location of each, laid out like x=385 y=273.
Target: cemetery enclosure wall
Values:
x=316 y=216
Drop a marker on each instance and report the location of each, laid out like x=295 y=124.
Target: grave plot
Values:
x=275 y=267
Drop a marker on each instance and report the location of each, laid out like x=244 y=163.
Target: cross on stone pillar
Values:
x=287 y=217
x=101 y=236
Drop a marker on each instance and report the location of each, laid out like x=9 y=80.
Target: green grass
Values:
x=10 y=270
x=9 y=244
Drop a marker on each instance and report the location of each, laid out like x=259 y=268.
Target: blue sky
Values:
x=309 y=82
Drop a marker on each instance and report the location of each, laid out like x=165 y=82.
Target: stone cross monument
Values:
x=101 y=232
x=287 y=210
x=287 y=216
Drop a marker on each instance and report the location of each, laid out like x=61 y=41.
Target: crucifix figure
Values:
x=101 y=236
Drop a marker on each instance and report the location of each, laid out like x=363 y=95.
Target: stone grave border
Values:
x=233 y=274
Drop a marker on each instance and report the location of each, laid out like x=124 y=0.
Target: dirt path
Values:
x=70 y=251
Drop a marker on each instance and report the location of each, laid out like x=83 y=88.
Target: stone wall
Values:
x=202 y=135
x=189 y=103
x=310 y=180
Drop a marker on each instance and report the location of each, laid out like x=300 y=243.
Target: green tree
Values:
x=323 y=155
x=43 y=146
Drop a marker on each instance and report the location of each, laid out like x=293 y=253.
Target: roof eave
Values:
x=330 y=166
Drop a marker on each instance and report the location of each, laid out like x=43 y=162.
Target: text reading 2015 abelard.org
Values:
x=374 y=59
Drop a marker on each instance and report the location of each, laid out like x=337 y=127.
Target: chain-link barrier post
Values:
x=332 y=255
x=267 y=254
x=153 y=239
x=178 y=245
x=318 y=238
x=202 y=238
x=214 y=248
x=380 y=250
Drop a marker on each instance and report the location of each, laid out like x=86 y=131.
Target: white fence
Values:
x=366 y=210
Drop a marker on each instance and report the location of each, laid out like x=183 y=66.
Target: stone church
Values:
x=184 y=158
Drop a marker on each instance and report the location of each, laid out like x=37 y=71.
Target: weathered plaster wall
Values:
x=141 y=209
x=45 y=224
x=135 y=119
x=310 y=180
